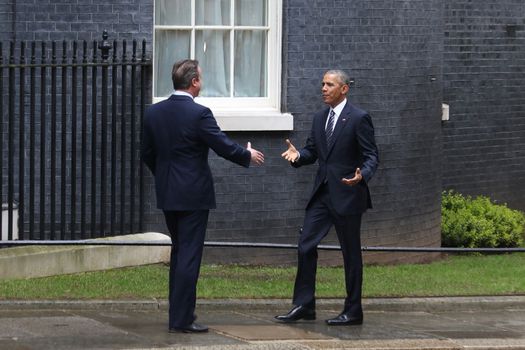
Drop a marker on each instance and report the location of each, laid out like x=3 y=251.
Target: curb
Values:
x=435 y=304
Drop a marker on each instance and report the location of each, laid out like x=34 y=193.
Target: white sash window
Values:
x=238 y=45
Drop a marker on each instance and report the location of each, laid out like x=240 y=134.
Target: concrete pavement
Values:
x=407 y=323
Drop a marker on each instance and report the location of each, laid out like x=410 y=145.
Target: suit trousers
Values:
x=187 y=230
x=319 y=218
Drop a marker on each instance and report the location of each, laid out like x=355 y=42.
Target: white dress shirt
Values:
x=182 y=93
x=337 y=110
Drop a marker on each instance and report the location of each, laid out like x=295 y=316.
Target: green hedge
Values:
x=479 y=223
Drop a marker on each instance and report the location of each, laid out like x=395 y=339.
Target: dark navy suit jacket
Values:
x=353 y=147
x=177 y=136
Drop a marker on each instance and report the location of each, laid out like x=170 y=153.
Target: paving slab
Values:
x=235 y=326
x=260 y=332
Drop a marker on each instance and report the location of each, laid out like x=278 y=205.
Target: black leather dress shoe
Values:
x=344 y=320
x=297 y=313
x=192 y=328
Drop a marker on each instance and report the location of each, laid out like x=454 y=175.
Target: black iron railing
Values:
x=167 y=242
x=69 y=137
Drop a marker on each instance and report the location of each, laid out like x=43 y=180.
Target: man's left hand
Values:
x=355 y=180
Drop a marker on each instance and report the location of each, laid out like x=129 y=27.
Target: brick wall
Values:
x=6 y=18
x=76 y=19
x=483 y=81
x=393 y=51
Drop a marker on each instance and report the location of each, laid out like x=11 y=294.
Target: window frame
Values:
x=245 y=113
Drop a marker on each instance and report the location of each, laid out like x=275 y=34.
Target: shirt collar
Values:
x=182 y=93
x=339 y=108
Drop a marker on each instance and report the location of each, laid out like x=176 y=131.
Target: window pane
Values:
x=250 y=13
x=173 y=12
x=212 y=49
x=170 y=46
x=250 y=63
x=212 y=12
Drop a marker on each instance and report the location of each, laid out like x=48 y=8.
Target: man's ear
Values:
x=346 y=88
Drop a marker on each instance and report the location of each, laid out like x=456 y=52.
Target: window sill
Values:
x=253 y=120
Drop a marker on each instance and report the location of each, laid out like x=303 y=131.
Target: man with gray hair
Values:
x=342 y=141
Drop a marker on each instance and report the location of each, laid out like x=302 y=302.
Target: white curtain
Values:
x=250 y=12
x=170 y=45
x=250 y=63
x=212 y=49
x=212 y=12
x=213 y=46
x=250 y=49
x=173 y=12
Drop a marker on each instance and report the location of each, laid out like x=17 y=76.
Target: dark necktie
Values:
x=330 y=128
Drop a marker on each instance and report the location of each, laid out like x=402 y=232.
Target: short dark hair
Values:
x=341 y=75
x=184 y=72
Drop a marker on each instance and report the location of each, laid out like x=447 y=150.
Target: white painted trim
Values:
x=253 y=120
x=275 y=45
x=445 y=112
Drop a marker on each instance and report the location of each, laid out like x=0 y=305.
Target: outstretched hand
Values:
x=291 y=154
x=355 y=180
x=257 y=157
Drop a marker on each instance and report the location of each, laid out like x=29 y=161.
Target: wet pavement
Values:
x=408 y=323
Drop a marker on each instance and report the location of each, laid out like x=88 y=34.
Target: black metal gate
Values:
x=70 y=129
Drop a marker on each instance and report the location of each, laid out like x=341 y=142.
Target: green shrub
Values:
x=479 y=223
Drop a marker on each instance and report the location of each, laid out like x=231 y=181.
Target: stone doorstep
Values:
x=40 y=261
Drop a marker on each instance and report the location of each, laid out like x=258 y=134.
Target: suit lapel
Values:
x=321 y=128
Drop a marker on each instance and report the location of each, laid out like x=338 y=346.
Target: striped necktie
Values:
x=329 y=131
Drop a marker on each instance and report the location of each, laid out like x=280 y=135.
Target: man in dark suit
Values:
x=178 y=134
x=342 y=141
